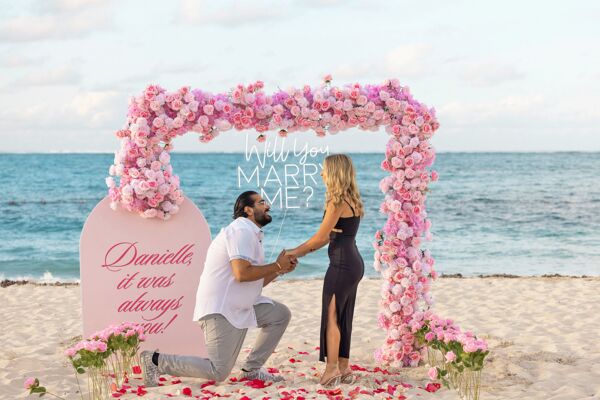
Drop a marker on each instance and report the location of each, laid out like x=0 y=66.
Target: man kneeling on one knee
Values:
x=229 y=301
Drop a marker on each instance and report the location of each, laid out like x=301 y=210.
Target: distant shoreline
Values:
x=348 y=152
x=9 y=282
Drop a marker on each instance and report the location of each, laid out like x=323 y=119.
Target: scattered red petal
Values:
x=117 y=395
x=391 y=389
x=162 y=379
x=293 y=360
x=175 y=382
x=273 y=370
x=187 y=391
x=140 y=391
x=258 y=384
x=303 y=352
x=331 y=392
x=433 y=387
x=209 y=383
x=137 y=369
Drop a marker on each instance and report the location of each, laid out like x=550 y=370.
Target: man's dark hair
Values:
x=243 y=200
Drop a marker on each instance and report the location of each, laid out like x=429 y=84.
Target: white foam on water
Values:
x=46 y=278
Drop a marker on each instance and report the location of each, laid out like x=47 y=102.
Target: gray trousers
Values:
x=224 y=342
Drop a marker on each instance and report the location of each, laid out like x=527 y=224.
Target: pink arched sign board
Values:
x=144 y=271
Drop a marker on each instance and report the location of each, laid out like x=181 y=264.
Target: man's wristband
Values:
x=278 y=266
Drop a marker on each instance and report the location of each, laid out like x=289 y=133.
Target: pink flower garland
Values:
x=146 y=181
x=147 y=184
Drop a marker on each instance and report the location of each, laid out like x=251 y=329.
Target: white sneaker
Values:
x=151 y=372
x=261 y=374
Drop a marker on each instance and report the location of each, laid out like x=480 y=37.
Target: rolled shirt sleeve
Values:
x=239 y=245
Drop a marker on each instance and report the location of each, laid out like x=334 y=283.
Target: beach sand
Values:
x=543 y=335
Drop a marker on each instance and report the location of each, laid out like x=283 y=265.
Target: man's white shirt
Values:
x=218 y=291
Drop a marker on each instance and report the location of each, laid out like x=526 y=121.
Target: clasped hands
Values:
x=287 y=262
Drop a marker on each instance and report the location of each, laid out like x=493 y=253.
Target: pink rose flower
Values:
x=470 y=346
x=432 y=373
x=156 y=165
x=30 y=382
x=396 y=162
x=208 y=109
x=450 y=356
x=176 y=104
x=414 y=356
x=158 y=122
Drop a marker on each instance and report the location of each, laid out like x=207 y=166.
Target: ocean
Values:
x=492 y=213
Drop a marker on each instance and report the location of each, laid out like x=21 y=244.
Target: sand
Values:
x=543 y=335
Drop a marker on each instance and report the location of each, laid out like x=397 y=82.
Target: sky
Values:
x=502 y=75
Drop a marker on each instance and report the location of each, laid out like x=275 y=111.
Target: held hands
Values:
x=287 y=262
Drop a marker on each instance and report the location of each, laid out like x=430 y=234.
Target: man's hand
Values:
x=287 y=262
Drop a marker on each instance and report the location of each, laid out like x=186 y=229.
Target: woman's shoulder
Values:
x=347 y=207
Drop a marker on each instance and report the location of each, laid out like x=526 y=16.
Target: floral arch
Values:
x=146 y=184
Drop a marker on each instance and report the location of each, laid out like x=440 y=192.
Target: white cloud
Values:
x=58 y=21
x=233 y=13
x=83 y=110
x=18 y=60
x=490 y=73
x=47 y=77
x=68 y=6
x=351 y=72
x=505 y=108
x=408 y=61
x=98 y=108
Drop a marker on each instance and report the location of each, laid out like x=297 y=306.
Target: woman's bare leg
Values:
x=333 y=343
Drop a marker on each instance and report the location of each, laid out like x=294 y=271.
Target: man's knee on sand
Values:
x=286 y=313
x=282 y=315
x=221 y=373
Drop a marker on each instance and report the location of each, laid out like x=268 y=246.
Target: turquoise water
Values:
x=515 y=213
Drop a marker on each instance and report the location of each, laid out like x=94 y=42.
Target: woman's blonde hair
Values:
x=340 y=182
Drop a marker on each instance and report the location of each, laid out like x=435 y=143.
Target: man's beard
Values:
x=263 y=219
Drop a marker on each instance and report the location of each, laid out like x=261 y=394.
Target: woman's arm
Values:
x=321 y=238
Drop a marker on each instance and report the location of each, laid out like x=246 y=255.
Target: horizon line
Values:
x=348 y=152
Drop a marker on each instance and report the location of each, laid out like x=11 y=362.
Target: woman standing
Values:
x=343 y=210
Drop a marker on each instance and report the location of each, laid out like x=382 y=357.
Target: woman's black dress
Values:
x=346 y=269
